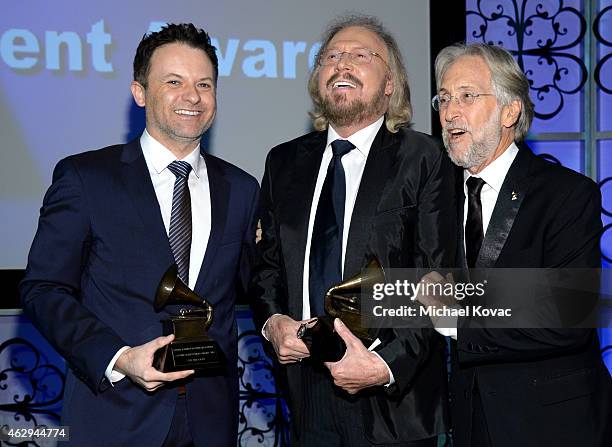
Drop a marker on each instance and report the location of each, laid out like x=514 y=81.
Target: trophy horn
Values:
x=172 y=290
x=343 y=297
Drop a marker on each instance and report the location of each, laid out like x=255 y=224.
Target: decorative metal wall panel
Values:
x=32 y=377
x=602 y=30
x=546 y=38
x=605 y=174
x=567 y=153
x=263 y=415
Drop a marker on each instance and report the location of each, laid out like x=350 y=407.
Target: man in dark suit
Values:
x=512 y=386
x=393 y=204
x=112 y=223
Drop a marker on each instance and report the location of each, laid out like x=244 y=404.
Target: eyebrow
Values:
x=170 y=75
x=461 y=87
x=335 y=48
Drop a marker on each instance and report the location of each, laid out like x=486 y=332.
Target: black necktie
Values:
x=326 y=242
x=473 y=224
x=180 y=218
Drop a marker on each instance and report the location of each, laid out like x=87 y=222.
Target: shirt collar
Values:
x=362 y=139
x=159 y=157
x=495 y=173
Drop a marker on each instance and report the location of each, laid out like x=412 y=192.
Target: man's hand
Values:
x=359 y=368
x=439 y=300
x=281 y=331
x=137 y=364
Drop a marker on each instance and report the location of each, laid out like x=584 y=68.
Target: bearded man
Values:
x=517 y=386
x=388 y=192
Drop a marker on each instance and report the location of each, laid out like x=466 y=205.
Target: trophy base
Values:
x=201 y=354
x=322 y=341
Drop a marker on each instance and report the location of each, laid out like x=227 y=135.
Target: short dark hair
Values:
x=185 y=33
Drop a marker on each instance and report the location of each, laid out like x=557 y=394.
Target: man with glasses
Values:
x=385 y=189
x=510 y=387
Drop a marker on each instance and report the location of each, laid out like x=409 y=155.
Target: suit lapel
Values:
x=509 y=200
x=139 y=188
x=219 y=201
x=380 y=160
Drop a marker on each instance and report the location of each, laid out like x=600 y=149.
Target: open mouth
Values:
x=348 y=82
x=456 y=133
x=343 y=85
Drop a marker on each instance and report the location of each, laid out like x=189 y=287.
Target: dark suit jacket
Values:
x=537 y=386
x=404 y=215
x=97 y=258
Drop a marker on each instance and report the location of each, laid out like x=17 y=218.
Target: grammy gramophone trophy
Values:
x=191 y=348
x=341 y=301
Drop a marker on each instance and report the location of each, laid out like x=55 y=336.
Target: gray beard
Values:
x=479 y=151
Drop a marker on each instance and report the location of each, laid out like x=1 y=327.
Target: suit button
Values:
x=466 y=393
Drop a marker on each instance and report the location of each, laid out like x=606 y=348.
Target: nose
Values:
x=344 y=62
x=451 y=111
x=191 y=94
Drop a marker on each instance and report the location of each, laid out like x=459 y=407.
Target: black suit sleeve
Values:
x=410 y=350
x=267 y=289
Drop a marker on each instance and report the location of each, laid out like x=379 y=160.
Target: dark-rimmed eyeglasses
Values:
x=441 y=102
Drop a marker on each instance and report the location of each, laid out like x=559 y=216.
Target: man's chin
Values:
x=458 y=157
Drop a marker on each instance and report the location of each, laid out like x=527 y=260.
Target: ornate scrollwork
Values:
x=32 y=387
x=263 y=416
x=599 y=80
x=601 y=185
x=604 y=254
x=547 y=58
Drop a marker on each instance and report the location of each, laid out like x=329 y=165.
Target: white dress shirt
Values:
x=493 y=175
x=157 y=158
x=353 y=164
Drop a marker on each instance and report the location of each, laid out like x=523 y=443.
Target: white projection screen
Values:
x=66 y=66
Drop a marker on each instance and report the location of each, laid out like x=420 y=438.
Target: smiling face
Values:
x=476 y=134
x=354 y=96
x=180 y=97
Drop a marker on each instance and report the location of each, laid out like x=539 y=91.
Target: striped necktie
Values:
x=180 y=218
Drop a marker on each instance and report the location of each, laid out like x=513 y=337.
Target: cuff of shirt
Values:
x=263 y=328
x=112 y=375
x=371 y=349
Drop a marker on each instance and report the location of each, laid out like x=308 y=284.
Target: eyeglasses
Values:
x=440 y=102
x=358 y=56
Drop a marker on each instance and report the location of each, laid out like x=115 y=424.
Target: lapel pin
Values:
x=514 y=195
